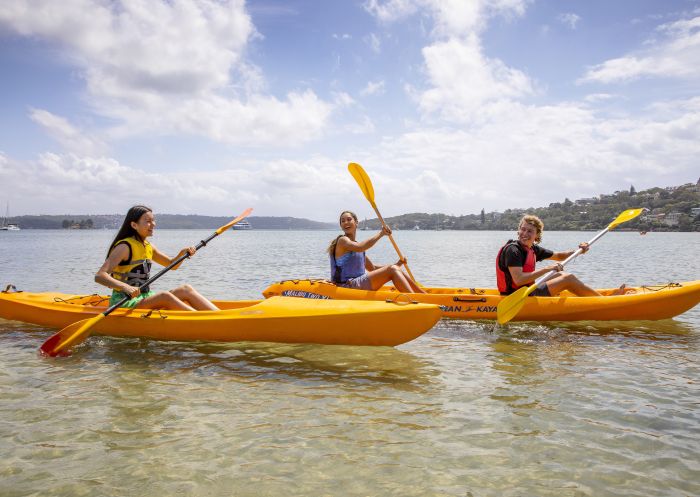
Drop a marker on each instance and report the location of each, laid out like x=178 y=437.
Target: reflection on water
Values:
x=471 y=408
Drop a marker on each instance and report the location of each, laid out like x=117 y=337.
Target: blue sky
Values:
x=209 y=107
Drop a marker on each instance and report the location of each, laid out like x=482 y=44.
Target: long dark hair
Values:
x=127 y=230
x=334 y=242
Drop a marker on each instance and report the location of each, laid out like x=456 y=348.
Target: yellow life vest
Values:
x=136 y=270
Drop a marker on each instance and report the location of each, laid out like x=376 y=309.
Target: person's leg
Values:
x=163 y=300
x=403 y=279
x=413 y=284
x=188 y=294
x=567 y=281
x=386 y=273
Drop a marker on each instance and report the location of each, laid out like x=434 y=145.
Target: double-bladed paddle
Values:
x=74 y=334
x=509 y=307
x=365 y=185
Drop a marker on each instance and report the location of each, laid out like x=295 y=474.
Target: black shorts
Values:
x=542 y=290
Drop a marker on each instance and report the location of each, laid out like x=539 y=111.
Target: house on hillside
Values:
x=671 y=219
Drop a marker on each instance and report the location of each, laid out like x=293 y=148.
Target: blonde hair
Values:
x=334 y=242
x=533 y=221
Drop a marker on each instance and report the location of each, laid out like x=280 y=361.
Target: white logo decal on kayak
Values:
x=303 y=294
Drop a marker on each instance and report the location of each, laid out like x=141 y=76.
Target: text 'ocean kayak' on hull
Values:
x=647 y=303
x=280 y=319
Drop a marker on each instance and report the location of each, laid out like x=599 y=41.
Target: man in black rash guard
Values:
x=515 y=265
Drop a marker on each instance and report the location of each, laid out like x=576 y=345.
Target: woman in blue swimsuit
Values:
x=351 y=268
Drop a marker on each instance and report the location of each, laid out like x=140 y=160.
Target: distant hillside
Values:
x=164 y=221
x=675 y=208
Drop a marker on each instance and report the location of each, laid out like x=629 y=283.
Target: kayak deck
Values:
x=646 y=303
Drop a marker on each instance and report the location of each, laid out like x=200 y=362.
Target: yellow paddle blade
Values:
x=625 y=216
x=240 y=218
x=510 y=306
x=74 y=334
x=362 y=180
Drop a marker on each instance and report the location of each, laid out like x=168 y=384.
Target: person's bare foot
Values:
x=620 y=291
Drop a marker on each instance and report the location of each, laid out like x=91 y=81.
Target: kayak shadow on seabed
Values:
x=667 y=329
x=287 y=362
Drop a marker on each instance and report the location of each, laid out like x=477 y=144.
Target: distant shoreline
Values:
x=667 y=209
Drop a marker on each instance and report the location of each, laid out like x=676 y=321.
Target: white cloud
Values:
x=75 y=184
x=392 y=10
x=598 y=97
x=569 y=19
x=364 y=126
x=460 y=76
x=342 y=99
x=463 y=80
x=522 y=156
x=187 y=46
x=168 y=66
x=675 y=56
x=451 y=17
x=518 y=156
x=374 y=43
x=70 y=137
x=373 y=88
x=261 y=120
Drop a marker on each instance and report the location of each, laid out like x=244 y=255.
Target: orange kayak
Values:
x=279 y=319
x=647 y=303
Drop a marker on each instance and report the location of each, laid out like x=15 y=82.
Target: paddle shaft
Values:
x=622 y=218
x=573 y=256
x=391 y=238
x=160 y=273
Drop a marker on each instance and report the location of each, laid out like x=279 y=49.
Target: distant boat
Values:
x=8 y=226
x=416 y=228
x=242 y=225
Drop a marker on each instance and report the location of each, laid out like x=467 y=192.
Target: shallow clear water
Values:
x=584 y=409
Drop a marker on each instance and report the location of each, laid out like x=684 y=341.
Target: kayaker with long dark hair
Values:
x=351 y=268
x=128 y=265
x=515 y=265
